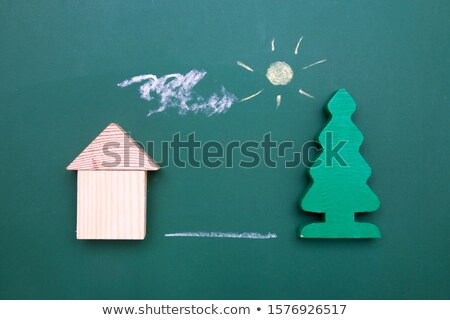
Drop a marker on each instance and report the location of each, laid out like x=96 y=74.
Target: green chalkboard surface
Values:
x=60 y=66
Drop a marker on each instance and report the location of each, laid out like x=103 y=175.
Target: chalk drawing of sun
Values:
x=279 y=73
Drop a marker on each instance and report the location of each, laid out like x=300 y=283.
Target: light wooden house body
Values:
x=112 y=187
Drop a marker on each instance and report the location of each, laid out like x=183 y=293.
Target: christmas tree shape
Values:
x=338 y=187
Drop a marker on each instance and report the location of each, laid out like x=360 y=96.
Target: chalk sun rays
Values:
x=280 y=73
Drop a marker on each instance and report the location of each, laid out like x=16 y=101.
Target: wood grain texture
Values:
x=111 y=204
x=338 y=187
x=113 y=149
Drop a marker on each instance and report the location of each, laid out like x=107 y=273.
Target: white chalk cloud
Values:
x=176 y=91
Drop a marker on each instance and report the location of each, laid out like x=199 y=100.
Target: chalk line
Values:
x=278 y=100
x=243 y=65
x=244 y=235
x=306 y=94
x=273 y=44
x=252 y=96
x=315 y=63
x=298 y=45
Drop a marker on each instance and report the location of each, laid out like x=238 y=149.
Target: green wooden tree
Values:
x=338 y=187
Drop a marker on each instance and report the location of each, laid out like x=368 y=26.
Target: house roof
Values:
x=113 y=149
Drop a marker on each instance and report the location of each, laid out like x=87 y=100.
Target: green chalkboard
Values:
x=60 y=66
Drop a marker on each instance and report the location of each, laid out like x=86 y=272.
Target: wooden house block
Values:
x=112 y=187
